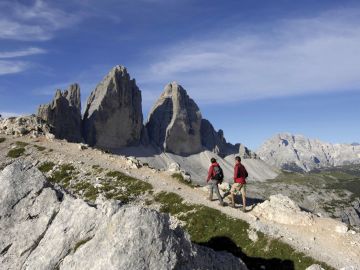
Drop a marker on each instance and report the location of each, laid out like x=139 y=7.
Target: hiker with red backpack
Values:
x=240 y=175
x=215 y=177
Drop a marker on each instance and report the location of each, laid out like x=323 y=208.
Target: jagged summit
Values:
x=63 y=114
x=113 y=116
x=174 y=122
x=299 y=153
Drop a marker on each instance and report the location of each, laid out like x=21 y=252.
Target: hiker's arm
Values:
x=236 y=172
x=209 y=174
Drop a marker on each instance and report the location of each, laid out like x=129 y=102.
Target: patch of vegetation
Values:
x=21 y=144
x=97 y=168
x=63 y=175
x=39 y=148
x=2 y=139
x=16 y=152
x=46 y=166
x=210 y=227
x=123 y=187
x=81 y=242
x=89 y=191
x=181 y=179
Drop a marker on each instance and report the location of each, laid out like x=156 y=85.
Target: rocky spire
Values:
x=63 y=114
x=113 y=116
x=174 y=122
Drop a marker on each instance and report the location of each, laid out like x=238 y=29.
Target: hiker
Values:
x=215 y=176
x=240 y=175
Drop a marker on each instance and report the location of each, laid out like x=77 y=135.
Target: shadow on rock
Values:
x=222 y=243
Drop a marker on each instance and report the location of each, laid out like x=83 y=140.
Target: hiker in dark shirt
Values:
x=214 y=178
x=240 y=175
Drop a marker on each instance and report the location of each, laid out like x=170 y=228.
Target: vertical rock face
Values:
x=174 y=122
x=113 y=116
x=63 y=114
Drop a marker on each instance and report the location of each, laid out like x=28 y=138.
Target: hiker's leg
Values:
x=211 y=187
x=217 y=190
x=243 y=193
x=232 y=194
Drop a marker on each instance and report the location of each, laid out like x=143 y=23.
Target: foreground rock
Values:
x=174 y=122
x=113 y=116
x=281 y=209
x=298 y=153
x=63 y=114
x=43 y=228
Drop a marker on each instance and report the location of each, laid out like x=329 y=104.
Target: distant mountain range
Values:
x=298 y=153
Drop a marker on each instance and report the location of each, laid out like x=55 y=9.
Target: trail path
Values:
x=319 y=240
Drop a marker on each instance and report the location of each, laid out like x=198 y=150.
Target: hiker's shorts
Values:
x=237 y=187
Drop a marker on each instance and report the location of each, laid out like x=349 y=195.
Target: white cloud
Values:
x=291 y=57
x=37 y=22
x=21 y=53
x=9 y=67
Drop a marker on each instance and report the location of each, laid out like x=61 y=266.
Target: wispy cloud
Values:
x=291 y=57
x=21 y=53
x=36 y=22
x=15 y=66
x=9 y=67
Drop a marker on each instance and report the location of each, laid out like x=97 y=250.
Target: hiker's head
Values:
x=238 y=159
x=212 y=160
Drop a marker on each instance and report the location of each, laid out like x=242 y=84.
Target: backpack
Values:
x=219 y=175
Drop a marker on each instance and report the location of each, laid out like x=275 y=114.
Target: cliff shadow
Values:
x=223 y=243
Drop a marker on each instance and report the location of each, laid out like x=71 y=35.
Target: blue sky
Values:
x=255 y=68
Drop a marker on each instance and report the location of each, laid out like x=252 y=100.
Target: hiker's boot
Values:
x=210 y=198
x=221 y=203
x=244 y=209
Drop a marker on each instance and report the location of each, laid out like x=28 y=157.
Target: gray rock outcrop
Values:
x=23 y=125
x=63 y=114
x=113 y=116
x=298 y=153
x=174 y=122
x=41 y=227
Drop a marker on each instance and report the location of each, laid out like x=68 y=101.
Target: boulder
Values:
x=63 y=114
x=174 y=122
x=41 y=227
x=281 y=209
x=113 y=116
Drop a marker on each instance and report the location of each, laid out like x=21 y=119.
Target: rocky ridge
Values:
x=44 y=228
x=174 y=122
x=298 y=153
x=63 y=114
x=113 y=116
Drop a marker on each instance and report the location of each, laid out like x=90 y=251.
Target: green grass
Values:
x=97 y=168
x=46 y=166
x=21 y=144
x=123 y=187
x=214 y=229
x=39 y=148
x=89 y=191
x=16 y=152
x=179 y=177
x=2 y=139
x=63 y=175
